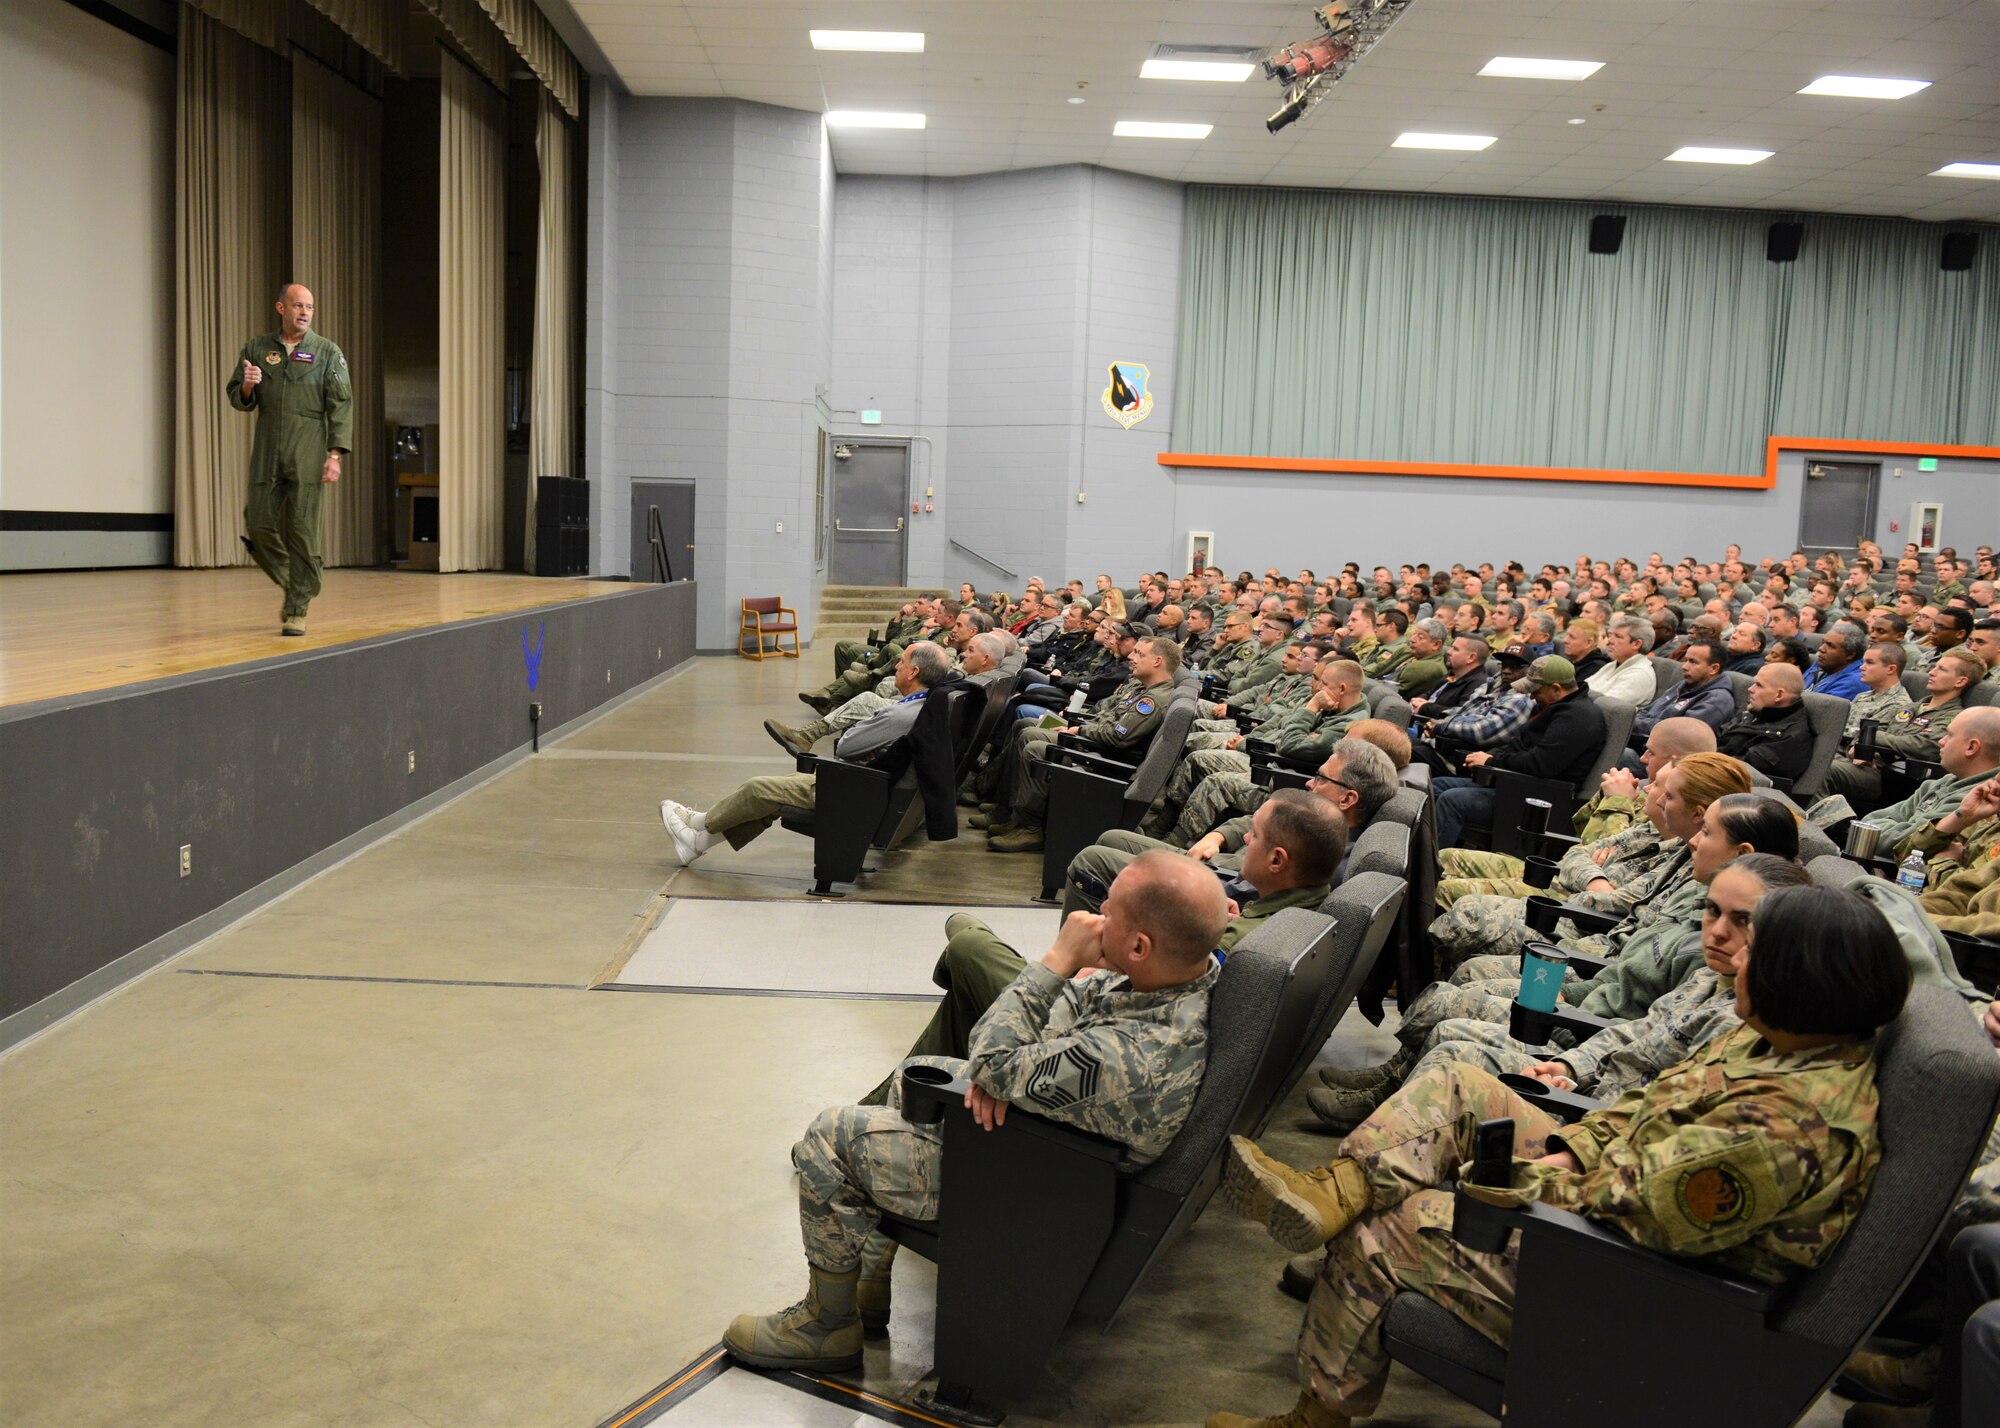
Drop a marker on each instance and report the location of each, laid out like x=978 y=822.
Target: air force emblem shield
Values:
x=1126 y=400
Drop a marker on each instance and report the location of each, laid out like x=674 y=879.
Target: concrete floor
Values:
x=321 y=1170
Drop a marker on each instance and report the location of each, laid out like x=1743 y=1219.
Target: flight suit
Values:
x=305 y=409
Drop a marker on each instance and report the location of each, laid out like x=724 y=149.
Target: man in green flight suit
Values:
x=297 y=383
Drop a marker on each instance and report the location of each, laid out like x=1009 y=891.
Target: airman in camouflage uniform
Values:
x=1475 y=872
x=1913 y=732
x=1754 y=1159
x=1092 y=1052
x=1491 y=925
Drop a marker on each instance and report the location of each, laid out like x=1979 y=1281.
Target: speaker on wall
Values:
x=1781 y=244
x=1956 y=253
x=1607 y=231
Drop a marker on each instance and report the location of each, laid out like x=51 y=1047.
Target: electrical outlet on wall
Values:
x=187 y=859
x=413 y=761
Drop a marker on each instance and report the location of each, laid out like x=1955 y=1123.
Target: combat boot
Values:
x=1308 y=1412
x=1354 y=1078
x=871 y=1291
x=1342 y=1109
x=1899 y=1380
x=1300 y=1209
x=796 y=740
x=819 y=1334
x=818 y=703
x=1016 y=839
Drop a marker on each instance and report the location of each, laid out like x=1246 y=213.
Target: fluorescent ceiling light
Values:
x=1223 y=71
x=901 y=42
x=1148 y=129
x=1515 y=67
x=1695 y=154
x=1985 y=171
x=1854 y=86
x=1471 y=143
x=870 y=119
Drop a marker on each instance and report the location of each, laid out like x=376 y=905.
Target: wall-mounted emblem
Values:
x=1126 y=400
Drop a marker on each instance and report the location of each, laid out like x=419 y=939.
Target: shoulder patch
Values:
x=1715 y=1196
x=1144 y=705
x=273 y=358
x=1064 y=1079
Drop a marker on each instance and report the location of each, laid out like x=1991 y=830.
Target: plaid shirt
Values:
x=1490 y=717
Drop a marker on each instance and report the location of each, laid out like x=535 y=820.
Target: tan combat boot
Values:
x=1301 y=1210
x=1308 y=1412
x=819 y=1334
x=871 y=1293
x=796 y=740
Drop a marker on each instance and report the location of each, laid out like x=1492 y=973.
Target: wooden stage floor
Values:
x=71 y=632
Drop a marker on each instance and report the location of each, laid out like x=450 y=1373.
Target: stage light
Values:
x=897 y=42
x=1309 y=68
x=1854 y=86
x=871 y=119
x=1516 y=67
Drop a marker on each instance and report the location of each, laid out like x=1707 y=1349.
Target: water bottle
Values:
x=1911 y=874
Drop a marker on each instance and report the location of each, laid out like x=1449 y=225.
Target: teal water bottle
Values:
x=1543 y=967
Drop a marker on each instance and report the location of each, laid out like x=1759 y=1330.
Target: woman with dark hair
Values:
x=1753 y=1155
x=1789 y=650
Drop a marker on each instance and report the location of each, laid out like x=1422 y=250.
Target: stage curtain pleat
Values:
x=552 y=378
x=336 y=246
x=262 y=21
x=232 y=236
x=541 y=48
x=375 y=25
x=477 y=39
x=471 y=319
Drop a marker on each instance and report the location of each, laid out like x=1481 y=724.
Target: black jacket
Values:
x=1777 y=742
x=1744 y=664
x=1590 y=664
x=1454 y=692
x=937 y=771
x=1560 y=742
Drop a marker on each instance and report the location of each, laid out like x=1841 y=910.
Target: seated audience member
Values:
x=1913 y=731
x=1393 y=650
x=1494 y=713
x=754 y=806
x=1581 y=647
x=1949 y=628
x=1703 y=692
x=1970 y=753
x=1289 y=856
x=1745 y=647
x=1628 y=675
x=1791 y=651
x=1464 y=661
x=1119 y=1054
x=1227 y=795
x=1198 y=638
x=1784 y=1106
x=981 y=657
x=1427 y=667
x=1967 y=898
x=1984 y=641
x=1773 y=734
x=1124 y=719
x=1882 y=694
x=1560 y=741
x=1837 y=666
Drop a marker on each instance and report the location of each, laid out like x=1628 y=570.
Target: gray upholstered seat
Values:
x=1826 y=714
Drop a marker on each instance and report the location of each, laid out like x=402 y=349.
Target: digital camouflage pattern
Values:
x=1215 y=801
x=1089 y=1052
x=1185 y=778
x=1754 y=1159
x=1880 y=705
x=1491 y=925
x=1617 y=823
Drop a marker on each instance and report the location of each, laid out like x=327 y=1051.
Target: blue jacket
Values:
x=1845 y=684
x=1714 y=704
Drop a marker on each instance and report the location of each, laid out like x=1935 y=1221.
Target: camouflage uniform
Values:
x=1475 y=872
x=1877 y=704
x=1216 y=799
x=1091 y=1053
x=1124 y=719
x=1753 y=1159
x=1913 y=732
x=1497 y=926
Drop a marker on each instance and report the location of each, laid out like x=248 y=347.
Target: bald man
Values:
x=297 y=383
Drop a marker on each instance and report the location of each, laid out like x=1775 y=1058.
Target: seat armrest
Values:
x=1566 y=1106
x=1536 y=1028
x=1093 y=761
x=1978 y=960
x=1885 y=866
x=1543 y=913
x=1623 y=1261
x=1587 y=966
x=928 y=1103
x=1556 y=844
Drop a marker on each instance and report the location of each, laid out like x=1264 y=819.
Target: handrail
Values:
x=656 y=536
x=1010 y=574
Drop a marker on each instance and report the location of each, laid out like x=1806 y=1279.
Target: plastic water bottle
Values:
x=1911 y=874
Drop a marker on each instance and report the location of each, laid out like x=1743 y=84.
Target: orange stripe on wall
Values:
x=1602 y=475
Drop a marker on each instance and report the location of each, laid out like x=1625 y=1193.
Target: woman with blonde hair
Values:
x=1114 y=605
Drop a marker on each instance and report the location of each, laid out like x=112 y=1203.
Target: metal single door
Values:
x=1838 y=509
x=674 y=502
x=871 y=486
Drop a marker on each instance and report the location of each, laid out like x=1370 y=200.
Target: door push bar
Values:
x=896 y=529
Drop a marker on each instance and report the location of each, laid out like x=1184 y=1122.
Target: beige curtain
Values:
x=478 y=39
x=336 y=229
x=472 y=317
x=541 y=48
x=552 y=369
x=259 y=20
x=375 y=25
x=231 y=222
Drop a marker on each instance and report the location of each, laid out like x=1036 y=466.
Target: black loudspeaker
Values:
x=1781 y=244
x=562 y=525
x=1607 y=231
x=1956 y=253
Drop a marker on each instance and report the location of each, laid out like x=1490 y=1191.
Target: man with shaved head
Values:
x=297 y=383
x=1107 y=1033
x=1772 y=734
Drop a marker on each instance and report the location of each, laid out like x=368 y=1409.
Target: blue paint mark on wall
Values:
x=533 y=658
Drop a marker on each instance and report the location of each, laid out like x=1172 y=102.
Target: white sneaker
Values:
x=688 y=844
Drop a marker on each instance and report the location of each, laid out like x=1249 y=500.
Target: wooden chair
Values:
x=757 y=627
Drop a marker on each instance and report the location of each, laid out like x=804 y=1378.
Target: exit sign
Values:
x=1926 y=463
x=875 y=419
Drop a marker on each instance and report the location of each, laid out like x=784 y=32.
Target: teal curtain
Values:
x=1403 y=327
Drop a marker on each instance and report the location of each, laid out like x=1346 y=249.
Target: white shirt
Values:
x=1630 y=683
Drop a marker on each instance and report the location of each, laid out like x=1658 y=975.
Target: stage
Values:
x=170 y=761
x=69 y=632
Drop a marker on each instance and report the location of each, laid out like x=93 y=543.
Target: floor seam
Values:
x=392 y=981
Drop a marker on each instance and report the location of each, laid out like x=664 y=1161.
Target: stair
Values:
x=848 y=612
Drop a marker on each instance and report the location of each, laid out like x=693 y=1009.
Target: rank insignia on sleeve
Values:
x=1144 y=705
x=1715 y=1195
x=1064 y=1079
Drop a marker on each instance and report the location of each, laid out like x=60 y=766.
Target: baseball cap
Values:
x=1515 y=654
x=1549 y=669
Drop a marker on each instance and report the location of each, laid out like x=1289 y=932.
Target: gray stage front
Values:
x=262 y=767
